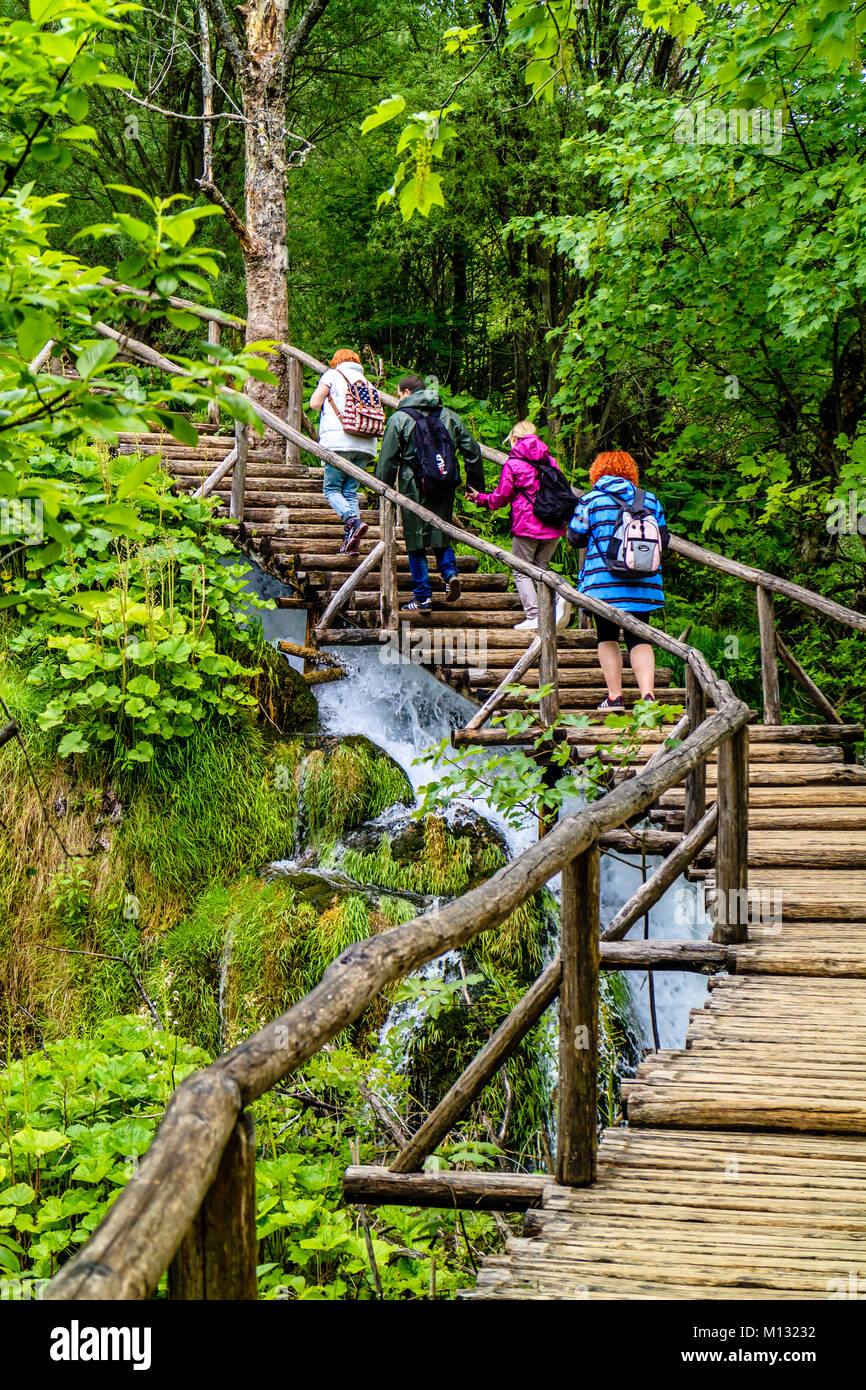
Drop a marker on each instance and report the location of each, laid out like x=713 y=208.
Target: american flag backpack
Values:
x=363 y=413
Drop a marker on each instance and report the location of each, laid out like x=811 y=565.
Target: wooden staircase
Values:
x=290 y=528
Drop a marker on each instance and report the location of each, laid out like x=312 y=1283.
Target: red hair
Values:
x=617 y=464
x=344 y=355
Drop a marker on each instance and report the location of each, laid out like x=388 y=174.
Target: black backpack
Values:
x=554 y=502
x=435 y=463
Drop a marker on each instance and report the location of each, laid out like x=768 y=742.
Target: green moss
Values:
x=343 y=785
x=347 y=921
x=442 y=862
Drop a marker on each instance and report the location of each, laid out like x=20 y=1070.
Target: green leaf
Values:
x=95 y=356
x=137 y=474
x=134 y=227
x=384 y=112
x=143 y=685
x=32 y=335
x=38 y=1142
x=142 y=752
x=73 y=742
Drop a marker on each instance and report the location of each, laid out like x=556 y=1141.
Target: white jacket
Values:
x=331 y=432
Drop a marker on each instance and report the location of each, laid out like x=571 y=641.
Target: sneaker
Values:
x=359 y=529
x=563 y=613
x=609 y=704
x=415 y=607
x=528 y=625
x=452 y=589
x=347 y=535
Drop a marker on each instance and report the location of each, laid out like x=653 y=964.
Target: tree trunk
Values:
x=265 y=249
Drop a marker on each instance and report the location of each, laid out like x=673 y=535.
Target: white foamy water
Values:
x=676 y=991
x=405 y=710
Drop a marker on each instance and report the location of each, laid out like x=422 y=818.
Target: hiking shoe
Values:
x=347 y=535
x=357 y=529
x=415 y=607
x=452 y=589
x=608 y=703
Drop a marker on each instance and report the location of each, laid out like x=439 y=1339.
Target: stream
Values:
x=406 y=710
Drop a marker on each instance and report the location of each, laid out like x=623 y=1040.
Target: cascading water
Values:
x=405 y=710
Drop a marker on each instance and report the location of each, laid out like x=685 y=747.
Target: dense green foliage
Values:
x=639 y=223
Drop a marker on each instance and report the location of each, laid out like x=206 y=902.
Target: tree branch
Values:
x=230 y=39
x=300 y=34
x=213 y=195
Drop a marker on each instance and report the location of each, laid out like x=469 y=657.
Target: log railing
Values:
x=190 y=1207
x=767 y=586
x=183 y=1204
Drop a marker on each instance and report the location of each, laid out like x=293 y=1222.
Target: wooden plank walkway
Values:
x=741 y=1173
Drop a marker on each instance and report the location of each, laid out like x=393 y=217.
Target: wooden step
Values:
x=591 y=696
x=570 y=676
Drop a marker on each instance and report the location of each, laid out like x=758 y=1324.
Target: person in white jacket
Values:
x=340 y=490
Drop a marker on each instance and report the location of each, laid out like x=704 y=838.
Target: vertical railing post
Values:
x=769 y=657
x=732 y=840
x=696 y=781
x=295 y=406
x=388 y=568
x=548 y=673
x=213 y=406
x=216 y=1260
x=578 y=1022
x=239 y=472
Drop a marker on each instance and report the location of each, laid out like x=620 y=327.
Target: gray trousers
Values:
x=536 y=553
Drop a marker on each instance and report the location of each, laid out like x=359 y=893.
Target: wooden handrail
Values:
x=520 y=667
x=140 y=1234
x=348 y=587
x=771 y=582
x=218 y=474
x=715 y=687
x=748 y=573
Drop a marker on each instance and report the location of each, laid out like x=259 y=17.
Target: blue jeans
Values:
x=446 y=563
x=341 y=492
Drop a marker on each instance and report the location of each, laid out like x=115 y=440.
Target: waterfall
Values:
x=406 y=710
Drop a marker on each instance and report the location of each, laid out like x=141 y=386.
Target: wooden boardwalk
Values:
x=741 y=1172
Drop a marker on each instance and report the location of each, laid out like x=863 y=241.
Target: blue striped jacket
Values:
x=593 y=525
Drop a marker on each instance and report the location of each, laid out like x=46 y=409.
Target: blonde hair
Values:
x=344 y=355
x=521 y=430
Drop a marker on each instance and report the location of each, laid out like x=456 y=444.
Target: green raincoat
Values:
x=394 y=467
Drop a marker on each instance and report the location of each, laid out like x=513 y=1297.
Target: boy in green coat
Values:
x=396 y=467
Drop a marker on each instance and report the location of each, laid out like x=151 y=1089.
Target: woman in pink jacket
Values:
x=533 y=540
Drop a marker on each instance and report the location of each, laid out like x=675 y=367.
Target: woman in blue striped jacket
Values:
x=613 y=478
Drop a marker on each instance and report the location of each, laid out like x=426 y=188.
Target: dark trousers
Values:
x=446 y=563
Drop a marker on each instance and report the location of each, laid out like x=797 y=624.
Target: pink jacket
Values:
x=518 y=479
